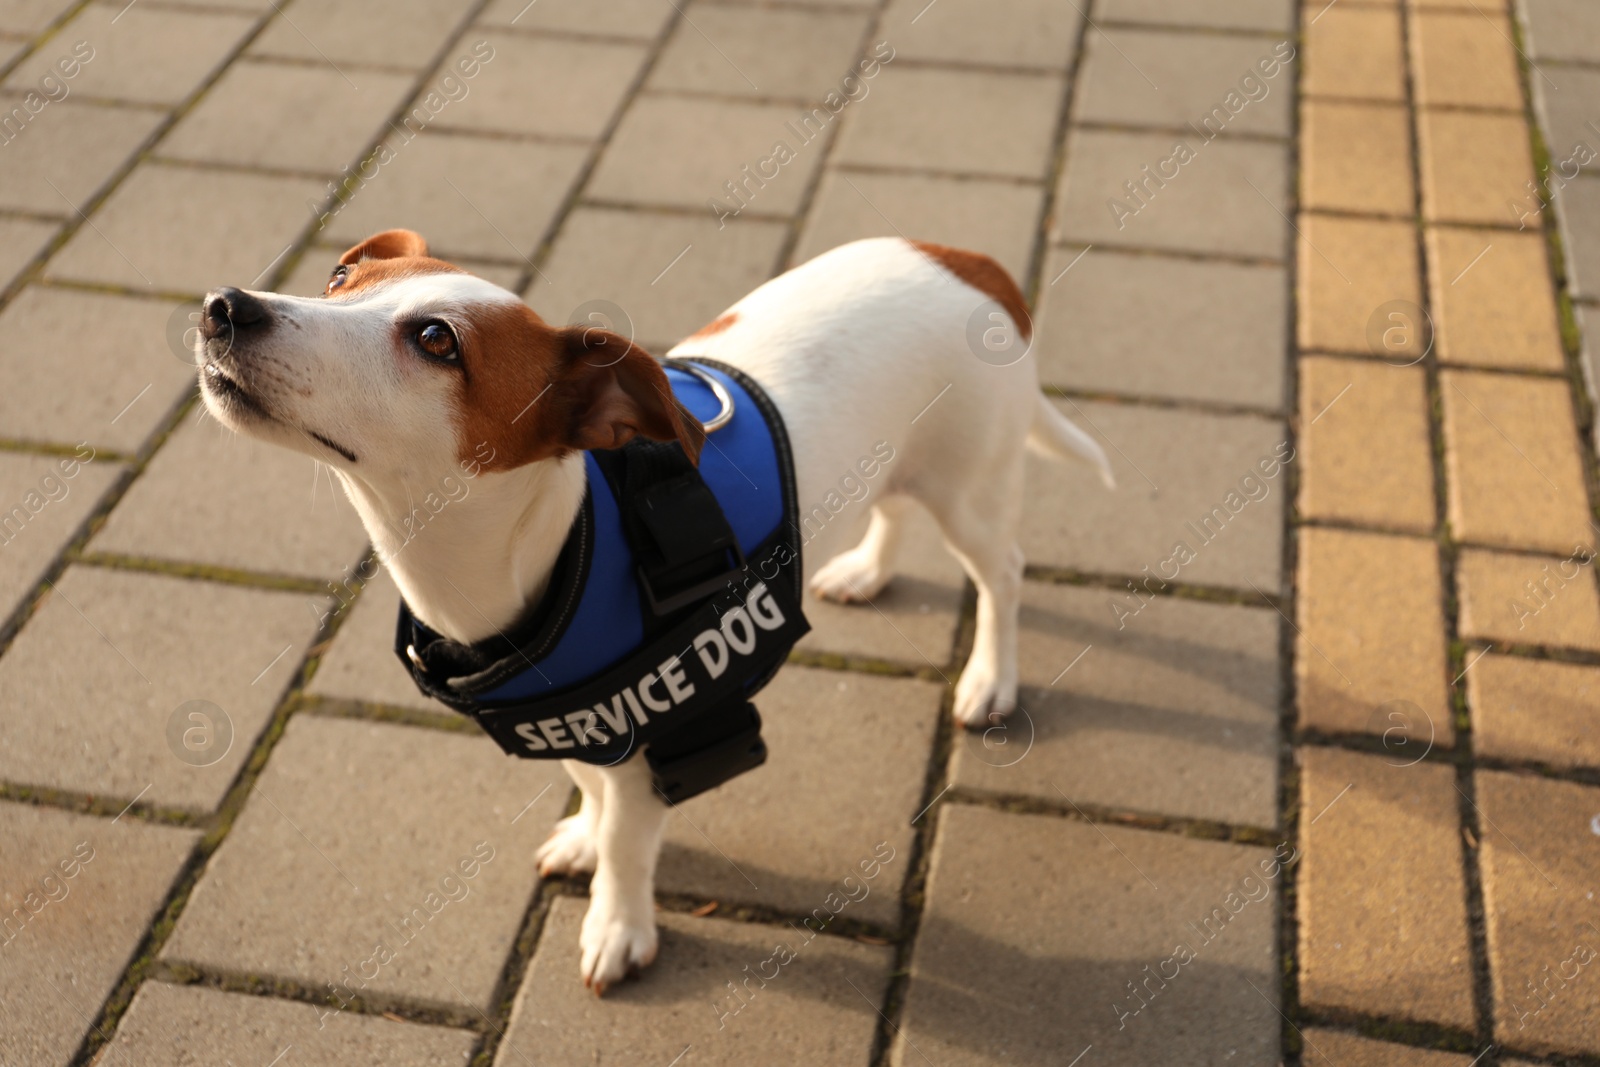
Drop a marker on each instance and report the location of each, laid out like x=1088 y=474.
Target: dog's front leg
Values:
x=619 y=932
x=571 y=846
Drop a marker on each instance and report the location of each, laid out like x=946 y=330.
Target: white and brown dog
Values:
x=409 y=365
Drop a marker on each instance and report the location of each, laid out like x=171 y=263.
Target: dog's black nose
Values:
x=231 y=309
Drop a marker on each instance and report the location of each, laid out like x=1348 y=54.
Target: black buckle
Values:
x=666 y=605
x=736 y=747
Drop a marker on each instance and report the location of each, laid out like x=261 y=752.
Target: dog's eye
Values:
x=336 y=279
x=437 y=340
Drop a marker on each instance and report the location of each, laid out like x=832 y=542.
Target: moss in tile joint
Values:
x=1399 y=1031
x=90 y=804
x=1119 y=583
x=336 y=708
x=835 y=661
x=47 y=448
x=198 y=572
x=278 y=988
x=1202 y=829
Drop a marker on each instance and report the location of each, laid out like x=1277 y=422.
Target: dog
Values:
x=408 y=365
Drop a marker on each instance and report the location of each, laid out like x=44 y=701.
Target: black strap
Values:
x=681 y=541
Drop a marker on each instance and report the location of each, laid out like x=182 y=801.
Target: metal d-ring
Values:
x=718 y=390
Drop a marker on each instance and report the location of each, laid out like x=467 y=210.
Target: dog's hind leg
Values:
x=861 y=573
x=980 y=526
x=570 y=849
x=619 y=931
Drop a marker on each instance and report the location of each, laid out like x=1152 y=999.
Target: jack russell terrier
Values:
x=407 y=366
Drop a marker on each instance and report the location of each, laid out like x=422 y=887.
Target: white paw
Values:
x=852 y=577
x=616 y=942
x=984 y=695
x=570 y=849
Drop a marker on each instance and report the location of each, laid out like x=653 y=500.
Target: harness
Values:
x=675 y=599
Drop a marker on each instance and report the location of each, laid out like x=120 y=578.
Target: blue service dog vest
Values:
x=675 y=598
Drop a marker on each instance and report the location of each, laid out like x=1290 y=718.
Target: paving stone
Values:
x=765 y=52
x=681 y=152
x=1368 y=454
x=361 y=665
x=664 y=297
x=1228 y=15
x=1578 y=208
x=395 y=33
x=192 y=1024
x=111 y=386
x=1167 y=78
x=215 y=497
x=912 y=622
x=997 y=218
x=1562 y=95
x=310 y=275
x=298 y=117
x=180 y=229
x=997 y=976
x=1197 y=464
x=1356 y=157
x=1511 y=449
x=545 y=86
x=642 y=19
x=1497 y=310
x=1540 y=873
x=1215 y=332
x=469 y=196
x=1020 y=33
x=77 y=896
x=20 y=241
x=1358 y=670
x=1172 y=710
x=1383 y=924
x=1563 y=29
x=1534 y=709
x=43 y=501
x=28 y=17
x=820 y=805
x=1208 y=207
x=372 y=822
x=1352 y=1050
x=98 y=676
x=1528 y=600
x=691 y=996
x=151 y=55
x=961 y=121
x=1464 y=58
x=1486 y=191
x=1353 y=52
x=73 y=146
x=1353 y=273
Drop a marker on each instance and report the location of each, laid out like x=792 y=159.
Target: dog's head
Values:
x=408 y=363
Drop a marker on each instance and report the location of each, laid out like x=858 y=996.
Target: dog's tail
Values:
x=1055 y=436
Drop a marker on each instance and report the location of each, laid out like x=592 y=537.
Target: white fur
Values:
x=865 y=344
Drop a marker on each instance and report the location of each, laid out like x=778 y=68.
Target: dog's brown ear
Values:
x=390 y=244
x=619 y=391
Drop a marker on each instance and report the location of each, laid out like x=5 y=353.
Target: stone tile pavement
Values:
x=1316 y=276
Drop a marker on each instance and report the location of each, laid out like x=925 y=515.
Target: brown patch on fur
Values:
x=716 y=326
x=384 y=257
x=390 y=244
x=372 y=272
x=984 y=275
x=531 y=391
